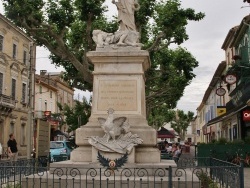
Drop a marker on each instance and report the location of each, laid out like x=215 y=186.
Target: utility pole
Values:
x=31 y=88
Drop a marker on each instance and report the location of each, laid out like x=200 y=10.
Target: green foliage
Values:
x=213 y=185
x=180 y=121
x=213 y=141
x=170 y=73
x=247 y=140
x=238 y=141
x=222 y=141
x=206 y=181
x=65 y=28
x=76 y=116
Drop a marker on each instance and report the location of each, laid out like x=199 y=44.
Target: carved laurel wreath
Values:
x=112 y=164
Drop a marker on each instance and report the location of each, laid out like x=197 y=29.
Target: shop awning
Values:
x=226 y=115
x=164 y=133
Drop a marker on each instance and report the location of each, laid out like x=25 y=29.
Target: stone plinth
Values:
x=119 y=83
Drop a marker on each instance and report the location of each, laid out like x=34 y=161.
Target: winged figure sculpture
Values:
x=113 y=127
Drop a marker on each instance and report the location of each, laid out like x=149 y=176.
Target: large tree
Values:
x=76 y=116
x=180 y=122
x=65 y=28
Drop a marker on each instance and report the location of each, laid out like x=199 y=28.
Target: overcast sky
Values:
x=205 y=40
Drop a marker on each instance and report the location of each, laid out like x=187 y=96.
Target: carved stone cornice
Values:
x=13 y=116
x=24 y=118
x=3 y=60
x=24 y=72
x=5 y=111
x=4 y=31
x=14 y=66
x=1 y=119
x=15 y=38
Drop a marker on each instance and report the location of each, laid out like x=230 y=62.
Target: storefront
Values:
x=246 y=122
x=230 y=124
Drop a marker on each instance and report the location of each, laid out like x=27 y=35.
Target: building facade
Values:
x=232 y=120
x=65 y=95
x=50 y=89
x=17 y=65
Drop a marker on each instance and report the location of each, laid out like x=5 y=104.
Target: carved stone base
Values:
x=147 y=155
x=119 y=83
x=143 y=153
x=82 y=154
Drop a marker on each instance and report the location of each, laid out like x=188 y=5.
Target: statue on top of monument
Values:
x=127 y=34
x=126 y=9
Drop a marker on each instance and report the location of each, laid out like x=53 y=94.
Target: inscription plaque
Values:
x=120 y=95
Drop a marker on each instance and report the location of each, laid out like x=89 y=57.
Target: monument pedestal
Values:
x=119 y=83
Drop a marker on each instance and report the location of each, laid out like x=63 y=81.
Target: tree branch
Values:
x=157 y=41
x=61 y=50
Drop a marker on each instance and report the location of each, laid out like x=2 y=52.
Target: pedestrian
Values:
x=12 y=148
x=168 y=148
x=177 y=154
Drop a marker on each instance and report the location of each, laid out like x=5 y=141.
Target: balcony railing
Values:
x=7 y=101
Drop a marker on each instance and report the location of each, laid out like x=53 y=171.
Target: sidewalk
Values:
x=246 y=178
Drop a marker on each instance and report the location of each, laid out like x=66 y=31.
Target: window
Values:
x=23 y=133
x=45 y=105
x=14 y=51
x=13 y=89
x=212 y=112
x=1 y=83
x=40 y=89
x=12 y=128
x=1 y=43
x=51 y=94
x=25 y=57
x=24 y=93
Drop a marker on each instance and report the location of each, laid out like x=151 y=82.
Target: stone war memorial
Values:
x=117 y=126
x=118 y=122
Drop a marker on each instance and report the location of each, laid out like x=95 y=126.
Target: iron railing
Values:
x=188 y=173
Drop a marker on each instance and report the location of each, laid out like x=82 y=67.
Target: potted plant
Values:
x=205 y=180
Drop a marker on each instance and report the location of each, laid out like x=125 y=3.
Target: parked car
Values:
x=60 y=150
